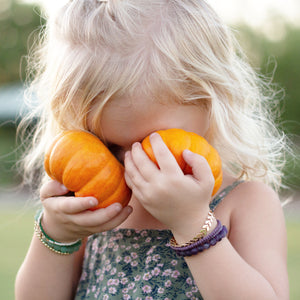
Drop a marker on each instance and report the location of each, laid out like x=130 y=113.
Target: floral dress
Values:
x=137 y=264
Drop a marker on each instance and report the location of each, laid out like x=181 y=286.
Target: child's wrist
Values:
x=50 y=243
x=52 y=229
x=192 y=227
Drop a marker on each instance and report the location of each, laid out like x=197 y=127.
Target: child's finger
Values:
x=163 y=155
x=132 y=171
x=75 y=205
x=142 y=162
x=99 y=216
x=52 y=188
x=200 y=167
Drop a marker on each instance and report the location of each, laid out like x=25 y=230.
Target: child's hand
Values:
x=177 y=200
x=67 y=219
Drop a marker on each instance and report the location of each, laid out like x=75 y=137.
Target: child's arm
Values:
x=251 y=262
x=48 y=275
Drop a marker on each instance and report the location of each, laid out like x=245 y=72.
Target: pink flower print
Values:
x=151 y=250
x=112 y=290
x=93 y=288
x=119 y=236
x=174 y=262
x=113 y=282
x=127 y=259
x=161 y=290
x=168 y=283
x=175 y=274
x=137 y=277
x=195 y=289
x=147 y=289
x=118 y=259
x=105 y=297
x=155 y=271
x=144 y=233
x=148 y=298
x=111 y=245
x=84 y=275
x=126 y=297
x=125 y=291
x=156 y=257
x=148 y=239
x=134 y=263
x=189 y=281
x=189 y=295
x=121 y=274
x=148 y=259
x=108 y=268
x=134 y=255
x=124 y=280
x=95 y=245
x=113 y=271
x=167 y=272
x=136 y=246
x=97 y=294
x=116 y=247
x=131 y=285
x=147 y=276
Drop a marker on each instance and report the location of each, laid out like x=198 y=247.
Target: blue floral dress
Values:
x=137 y=264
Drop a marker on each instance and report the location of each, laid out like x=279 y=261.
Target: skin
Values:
x=250 y=263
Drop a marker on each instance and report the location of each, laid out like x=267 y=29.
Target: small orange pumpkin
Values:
x=178 y=140
x=81 y=162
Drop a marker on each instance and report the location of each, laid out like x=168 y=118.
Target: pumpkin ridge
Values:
x=103 y=182
x=108 y=201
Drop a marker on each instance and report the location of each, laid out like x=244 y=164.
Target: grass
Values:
x=16 y=228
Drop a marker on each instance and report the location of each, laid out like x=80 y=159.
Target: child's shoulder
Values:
x=250 y=203
x=253 y=195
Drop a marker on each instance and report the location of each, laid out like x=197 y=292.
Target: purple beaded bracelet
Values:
x=209 y=240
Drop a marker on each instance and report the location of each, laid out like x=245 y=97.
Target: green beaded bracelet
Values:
x=57 y=247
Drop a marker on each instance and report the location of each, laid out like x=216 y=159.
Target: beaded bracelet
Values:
x=205 y=243
x=203 y=232
x=57 y=247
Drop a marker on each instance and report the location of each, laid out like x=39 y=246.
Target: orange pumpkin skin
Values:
x=177 y=140
x=81 y=162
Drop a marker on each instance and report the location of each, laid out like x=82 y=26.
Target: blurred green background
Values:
x=276 y=55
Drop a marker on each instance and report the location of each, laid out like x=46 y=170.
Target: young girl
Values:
x=123 y=69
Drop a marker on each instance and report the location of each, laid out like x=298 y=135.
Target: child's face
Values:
x=128 y=120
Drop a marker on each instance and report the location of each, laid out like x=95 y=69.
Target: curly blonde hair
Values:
x=92 y=49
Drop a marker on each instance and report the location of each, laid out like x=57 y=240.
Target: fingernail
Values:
x=188 y=152
x=117 y=207
x=129 y=209
x=93 y=201
x=136 y=144
x=63 y=188
x=154 y=134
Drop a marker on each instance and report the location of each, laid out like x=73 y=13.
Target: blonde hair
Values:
x=98 y=49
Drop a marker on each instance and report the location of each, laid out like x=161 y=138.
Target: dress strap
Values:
x=221 y=195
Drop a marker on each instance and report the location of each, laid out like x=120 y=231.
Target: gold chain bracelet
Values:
x=203 y=232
